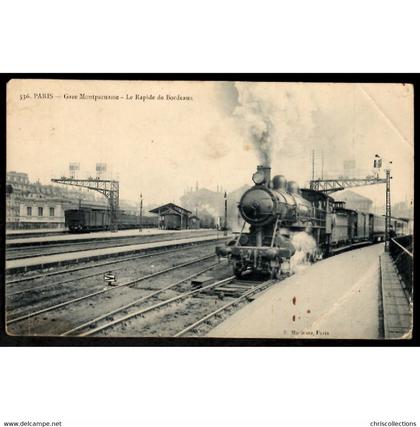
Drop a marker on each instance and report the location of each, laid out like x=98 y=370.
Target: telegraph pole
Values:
x=388 y=207
x=378 y=164
x=225 y=226
x=141 y=213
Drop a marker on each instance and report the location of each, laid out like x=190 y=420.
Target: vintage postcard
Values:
x=211 y=209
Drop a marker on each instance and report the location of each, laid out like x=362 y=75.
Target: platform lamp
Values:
x=377 y=164
x=141 y=213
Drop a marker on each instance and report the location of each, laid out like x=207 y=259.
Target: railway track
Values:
x=10 y=285
x=132 y=282
x=144 y=310
x=107 y=320
x=53 y=248
x=193 y=327
x=95 y=313
x=152 y=303
x=93 y=322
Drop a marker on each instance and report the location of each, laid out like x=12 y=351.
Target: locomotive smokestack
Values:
x=266 y=170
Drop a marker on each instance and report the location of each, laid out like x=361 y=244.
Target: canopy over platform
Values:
x=172 y=217
x=170 y=208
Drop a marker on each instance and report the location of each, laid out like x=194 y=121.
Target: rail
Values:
x=228 y=305
x=106 y=290
x=399 y=249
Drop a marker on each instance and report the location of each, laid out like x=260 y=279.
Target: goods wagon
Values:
x=91 y=219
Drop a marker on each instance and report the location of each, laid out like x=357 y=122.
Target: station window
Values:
x=29 y=211
x=51 y=211
x=40 y=211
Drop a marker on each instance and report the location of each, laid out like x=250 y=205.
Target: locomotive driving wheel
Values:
x=237 y=270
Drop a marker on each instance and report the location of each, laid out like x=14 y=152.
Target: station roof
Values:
x=170 y=208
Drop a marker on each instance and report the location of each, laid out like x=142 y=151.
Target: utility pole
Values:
x=378 y=164
x=141 y=213
x=225 y=226
x=388 y=208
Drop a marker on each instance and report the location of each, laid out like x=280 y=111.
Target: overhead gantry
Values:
x=109 y=188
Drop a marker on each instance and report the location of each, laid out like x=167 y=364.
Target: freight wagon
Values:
x=91 y=219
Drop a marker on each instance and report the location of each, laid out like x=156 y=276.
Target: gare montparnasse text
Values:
x=130 y=97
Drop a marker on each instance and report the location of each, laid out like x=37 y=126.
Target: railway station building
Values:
x=174 y=217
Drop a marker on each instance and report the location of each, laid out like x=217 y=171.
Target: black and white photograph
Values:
x=216 y=209
x=208 y=214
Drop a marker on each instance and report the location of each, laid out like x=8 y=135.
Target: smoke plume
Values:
x=284 y=122
x=255 y=119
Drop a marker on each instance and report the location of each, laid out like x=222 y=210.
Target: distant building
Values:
x=354 y=200
x=403 y=209
x=208 y=206
x=17 y=179
x=34 y=205
x=37 y=214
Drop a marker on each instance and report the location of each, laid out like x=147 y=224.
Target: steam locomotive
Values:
x=287 y=224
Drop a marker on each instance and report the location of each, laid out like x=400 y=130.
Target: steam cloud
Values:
x=255 y=118
x=284 y=122
x=305 y=246
x=278 y=122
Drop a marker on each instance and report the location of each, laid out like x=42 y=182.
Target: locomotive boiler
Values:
x=274 y=210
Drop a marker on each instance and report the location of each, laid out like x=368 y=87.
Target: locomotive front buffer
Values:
x=261 y=260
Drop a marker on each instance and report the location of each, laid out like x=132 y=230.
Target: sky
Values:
x=215 y=134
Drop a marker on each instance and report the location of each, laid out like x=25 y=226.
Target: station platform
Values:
x=48 y=261
x=336 y=298
x=397 y=309
x=19 y=234
x=101 y=235
x=35 y=231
